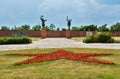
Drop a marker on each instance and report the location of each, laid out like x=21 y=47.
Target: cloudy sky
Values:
x=82 y=12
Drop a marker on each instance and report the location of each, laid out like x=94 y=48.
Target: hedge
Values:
x=15 y=40
x=99 y=38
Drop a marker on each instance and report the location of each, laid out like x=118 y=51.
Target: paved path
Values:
x=58 y=43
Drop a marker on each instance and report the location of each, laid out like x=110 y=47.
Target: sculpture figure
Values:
x=43 y=21
x=68 y=22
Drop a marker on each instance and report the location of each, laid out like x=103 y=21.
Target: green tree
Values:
x=103 y=28
x=36 y=27
x=5 y=28
x=64 y=29
x=115 y=27
x=88 y=28
x=25 y=27
x=22 y=27
x=52 y=26
x=58 y=29
x=75 y=29
x=47 y=28
x=14 y=28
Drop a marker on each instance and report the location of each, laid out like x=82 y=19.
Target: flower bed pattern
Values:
x=61 y=54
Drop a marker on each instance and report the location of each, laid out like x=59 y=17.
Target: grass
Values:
x=59 y=69
x=35 y=38
x=78 y=38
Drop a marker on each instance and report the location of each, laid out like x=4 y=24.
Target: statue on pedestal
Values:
x=68 y=22
x=43 y=21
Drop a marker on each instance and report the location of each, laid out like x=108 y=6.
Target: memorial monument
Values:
x=43 y=31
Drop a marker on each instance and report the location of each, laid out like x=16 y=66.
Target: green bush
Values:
x=15 y=40
x=89 y=39
x=99 y=38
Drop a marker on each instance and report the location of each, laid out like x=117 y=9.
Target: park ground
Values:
x=59 y=69
x=75 y=42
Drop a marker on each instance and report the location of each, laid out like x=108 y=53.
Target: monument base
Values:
x=43 y=33
x=68 y=33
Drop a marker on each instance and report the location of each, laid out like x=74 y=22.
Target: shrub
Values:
x=89 y=39
x=99 y=38
x=15 y=40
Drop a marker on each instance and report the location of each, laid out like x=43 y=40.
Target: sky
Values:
x=82 y=12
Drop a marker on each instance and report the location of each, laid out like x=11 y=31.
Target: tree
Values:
x=58 y=29
x=103 y=28
x=25 y=27
x=16 y=28
x=5 y=28
x=115 y=27
x=88 y=28
x=36 y=27
x=75 y=29
x=52 y=26
x=22 y=27
x=64 y=29
x=47 y=28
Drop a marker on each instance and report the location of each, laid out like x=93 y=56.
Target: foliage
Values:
x=115 y=27
x=5 y=28
x=25 y=27
x=103 y=28
x=47 y=28
x=64 y=29
x=75 y=28
x=88 y=28
x=58 y=29
x=89 y=39
x=36 y=27
x=99 y=38
x=22 y=27
x=61 y=54
x=85 y=28
x=52 y=26
x=15 y=40
x=92 y=27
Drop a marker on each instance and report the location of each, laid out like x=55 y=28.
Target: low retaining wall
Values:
x=32 y=33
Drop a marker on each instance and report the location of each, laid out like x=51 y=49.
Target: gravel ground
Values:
x=58 y=43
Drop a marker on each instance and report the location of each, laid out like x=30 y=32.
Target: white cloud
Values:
x=81 y=11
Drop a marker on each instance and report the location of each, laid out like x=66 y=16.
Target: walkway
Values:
x=58 y=43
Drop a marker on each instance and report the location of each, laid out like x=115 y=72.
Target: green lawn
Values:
x=59 y=69
x=78 y=38
x=35 y=38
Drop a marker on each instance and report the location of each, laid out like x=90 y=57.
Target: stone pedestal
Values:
x=43 y=33
x=68 y=33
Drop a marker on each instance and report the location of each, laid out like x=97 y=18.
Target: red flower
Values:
x=61 y=54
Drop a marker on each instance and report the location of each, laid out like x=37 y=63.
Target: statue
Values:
x=43 y=21
x=68 y=22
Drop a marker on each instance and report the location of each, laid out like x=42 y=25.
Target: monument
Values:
x=68 y=22
x=68 y=32
x=43 y=31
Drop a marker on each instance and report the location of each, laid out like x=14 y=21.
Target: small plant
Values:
x=15 y=40
x=99 y=38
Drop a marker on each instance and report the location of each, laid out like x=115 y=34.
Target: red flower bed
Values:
x=61 y=54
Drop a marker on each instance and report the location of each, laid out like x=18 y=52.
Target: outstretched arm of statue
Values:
x=45 y=19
